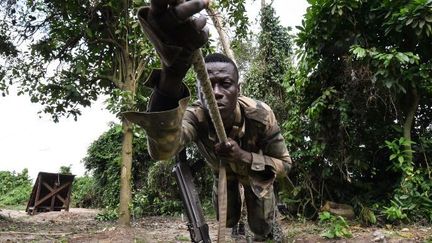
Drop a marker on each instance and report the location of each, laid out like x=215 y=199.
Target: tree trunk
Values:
x=126 y=165
x=409 y=120
x=125 y=180
x=223 y=38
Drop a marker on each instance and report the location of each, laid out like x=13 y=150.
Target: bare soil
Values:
x=79 y=225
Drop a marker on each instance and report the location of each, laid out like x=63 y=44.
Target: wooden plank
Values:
x=37 y=203
x=51 y=189
x=37 y=194
x=68 y=198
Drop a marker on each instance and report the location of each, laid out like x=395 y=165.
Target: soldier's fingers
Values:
x=203 y=36
x=189 y=8
x=159 y=6
x=200 y=22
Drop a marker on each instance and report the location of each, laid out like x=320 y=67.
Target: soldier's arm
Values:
x=168 y=131
x=175 y=37
x=275 y=153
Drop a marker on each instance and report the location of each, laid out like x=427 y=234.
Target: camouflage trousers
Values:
x=260 y=211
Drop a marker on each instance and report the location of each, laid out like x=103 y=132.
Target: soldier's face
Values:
x=224 y=79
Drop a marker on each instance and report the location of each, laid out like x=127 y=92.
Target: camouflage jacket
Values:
x=256 y=131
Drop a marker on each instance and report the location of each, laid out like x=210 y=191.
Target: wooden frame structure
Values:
x=51 y=192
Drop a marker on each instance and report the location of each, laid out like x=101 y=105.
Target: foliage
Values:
x=77 y=52
x=151 y=200
x=103 y=161
x=236 y=12
x=411 y=198
x=395 y=212
x=399 y=156
x=264 y=80
x=337 y=227
x=358 y=86
x=65 y=169
x=148 y=177
x=83 y=192
x=7 y=50
x=367 y=216
x=108 y=214
x=15 y=188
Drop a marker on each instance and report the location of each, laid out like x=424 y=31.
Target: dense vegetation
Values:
x=361 y=111
x=101 y=190
x=15 y=188
x=354 y=106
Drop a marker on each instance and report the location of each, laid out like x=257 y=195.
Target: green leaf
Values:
x=388 y=83
x=402 y=57
x=89 y=32
x=409 y=21
x=421 y=24
x=327 y=234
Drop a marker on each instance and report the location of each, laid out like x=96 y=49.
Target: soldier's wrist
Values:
x=171 y=83
x=246 y=157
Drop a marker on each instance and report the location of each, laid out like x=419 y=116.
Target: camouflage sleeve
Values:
x=168 y=131
x=274 y=151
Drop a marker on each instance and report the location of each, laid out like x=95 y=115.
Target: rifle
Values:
x=197 y=226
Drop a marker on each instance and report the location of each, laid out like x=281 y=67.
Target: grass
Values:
x=14 y=207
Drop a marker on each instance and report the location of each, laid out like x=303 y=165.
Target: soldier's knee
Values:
x=231 y=222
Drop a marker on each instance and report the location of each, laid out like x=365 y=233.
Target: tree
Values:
x=77 y=51
x=64 y=169
x=7 y=51
x=364 y=79
x=265 y=78
x=15 y=188
x=104 y=158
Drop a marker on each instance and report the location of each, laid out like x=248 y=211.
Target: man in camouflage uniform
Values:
x=255 y=152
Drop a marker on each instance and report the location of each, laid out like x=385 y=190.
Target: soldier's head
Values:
x=224 y=77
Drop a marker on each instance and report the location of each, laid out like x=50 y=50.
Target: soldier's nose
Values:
x=217 y=92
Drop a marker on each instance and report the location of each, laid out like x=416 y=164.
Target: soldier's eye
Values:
x=226 y=84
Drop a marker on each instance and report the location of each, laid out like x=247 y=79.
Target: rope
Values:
x=206 y=87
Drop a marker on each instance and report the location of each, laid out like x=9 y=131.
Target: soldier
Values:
x=255 y=152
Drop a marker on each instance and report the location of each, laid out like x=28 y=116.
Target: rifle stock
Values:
x=197 y=226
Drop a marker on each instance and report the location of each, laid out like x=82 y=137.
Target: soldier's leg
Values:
x=260 y=213
x=239 y=229
x=233 y=201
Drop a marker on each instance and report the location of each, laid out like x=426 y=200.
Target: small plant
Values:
x=182 y=238
x=337 y=227
x=401 y=156
x=108 y=214
x=367 y=216
x=395 y=212
x=411 y=199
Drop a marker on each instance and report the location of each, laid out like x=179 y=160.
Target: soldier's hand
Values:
x=172 y=29
x=231 y=151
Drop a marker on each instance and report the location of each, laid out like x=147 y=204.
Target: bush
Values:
x=336 y=226
x=83 y=192
x=15 y=188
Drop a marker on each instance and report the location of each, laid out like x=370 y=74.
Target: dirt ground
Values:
x=79 y=225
